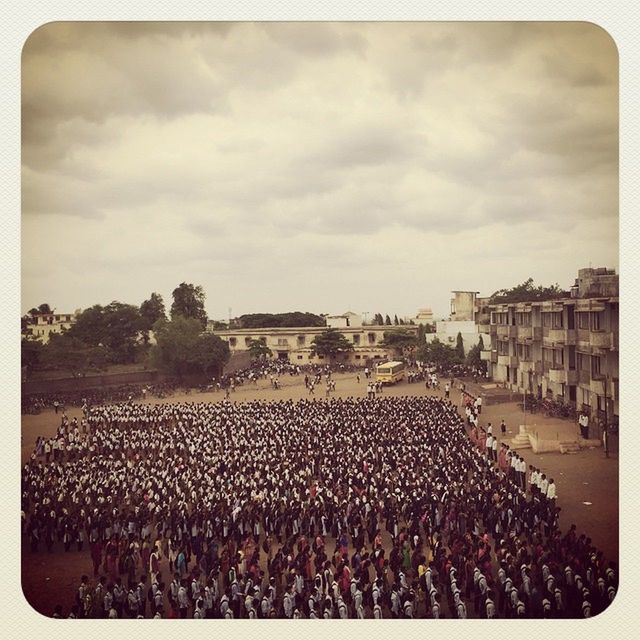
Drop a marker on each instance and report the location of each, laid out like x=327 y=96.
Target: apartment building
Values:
x=294 y=343
x=565 y=349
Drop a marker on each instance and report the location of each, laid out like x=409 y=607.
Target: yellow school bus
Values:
x=390 y=372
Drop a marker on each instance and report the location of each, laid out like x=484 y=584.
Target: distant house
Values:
x=47 y=323
x=347 y=319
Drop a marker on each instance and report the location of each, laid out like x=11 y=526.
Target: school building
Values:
x=294 y=343
x=564 y=349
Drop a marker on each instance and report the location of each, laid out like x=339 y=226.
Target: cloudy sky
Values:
x=315 y=166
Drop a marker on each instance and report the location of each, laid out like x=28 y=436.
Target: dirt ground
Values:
x=587 y=482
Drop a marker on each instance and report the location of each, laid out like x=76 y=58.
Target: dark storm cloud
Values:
x=223 y=153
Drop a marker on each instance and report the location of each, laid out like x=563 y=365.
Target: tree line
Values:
x=119 y=333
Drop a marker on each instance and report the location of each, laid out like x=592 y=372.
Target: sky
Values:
x=322 y=167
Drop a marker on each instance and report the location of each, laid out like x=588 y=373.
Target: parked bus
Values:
x=390 y=372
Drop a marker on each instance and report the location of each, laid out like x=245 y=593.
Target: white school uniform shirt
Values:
x=544 y=485
x=551 y=490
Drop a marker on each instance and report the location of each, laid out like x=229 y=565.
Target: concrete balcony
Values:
x=563 y=376
x=562 y=336
x=525 y=365
x=486 y=355
x=502 y=330
x=484 y=328
x=597 y=385
x=604 y=340
x=558 y=376
x=524 y=332
x=507 y=361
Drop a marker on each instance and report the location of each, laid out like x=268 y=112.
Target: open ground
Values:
x=587 y=481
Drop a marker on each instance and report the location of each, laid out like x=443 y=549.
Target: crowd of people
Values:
x=345 y=508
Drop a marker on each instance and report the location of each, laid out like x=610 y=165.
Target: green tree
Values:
x=151 y=311
x=330 y=343
x=420 y=335
x=289 y=319
x=399 y=340
x=395 y=319
x=459 y=348
x=437 y=353
x=259 y=350
x=378 y=319
x=387 y=320
x=188 y=302
x=115 y=327
x=526 y=292
x=183 y=349
x=63 y=351
x=31 y=353
x=474 y=359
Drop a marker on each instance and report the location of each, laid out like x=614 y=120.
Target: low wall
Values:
x=91 y=381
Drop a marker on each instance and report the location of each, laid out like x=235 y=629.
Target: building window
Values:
x=283 y=342
x=232 y=342
x=301 y=341
x=372 y=338
x=263 y=340
x=596 y=320
x=299 y=357
x=357 y=357
x=582 y=361
x=583 y=320
x=356 y=338
x=503 y=348
x=321 y=357
x=595 y=365
x=558 y=357
x=523 y=319
x=247 y=342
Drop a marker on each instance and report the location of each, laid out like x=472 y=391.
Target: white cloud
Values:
x=319 y=166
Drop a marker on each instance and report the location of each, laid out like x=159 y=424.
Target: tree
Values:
x=378 y=319
x=420 y=336
x=31 y=353
x=526 y=292
x=64 y=351
x=438 y=353
x=188 y=302
x=330 y=343
x=290 y=319
x=259 y=350
x=395 y=319
x=183 y=349
x=474 y=359
x=151 y=311
x=399 y=340
x=115 y=327
x=387 y=320
x=459 y=348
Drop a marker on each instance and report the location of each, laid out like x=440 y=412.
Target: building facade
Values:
x=564 y=349
x=47 y=323
x=294 y=343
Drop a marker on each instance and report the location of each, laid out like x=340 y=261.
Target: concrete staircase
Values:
x=521 y=440
x=569 y=447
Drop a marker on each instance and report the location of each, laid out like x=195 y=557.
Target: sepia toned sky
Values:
x=315 y=166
